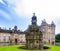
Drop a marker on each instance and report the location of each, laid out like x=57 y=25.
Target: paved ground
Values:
x=58 y=44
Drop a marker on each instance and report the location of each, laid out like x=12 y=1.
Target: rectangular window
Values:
x=4 y=38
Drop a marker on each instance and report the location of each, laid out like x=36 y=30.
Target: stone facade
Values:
x=4 y=37
x=12 y=36
x=48 y=31
x=18 y=38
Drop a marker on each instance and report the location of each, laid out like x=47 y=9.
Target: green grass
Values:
x=15 y=48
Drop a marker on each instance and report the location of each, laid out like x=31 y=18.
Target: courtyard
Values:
x=16 y=48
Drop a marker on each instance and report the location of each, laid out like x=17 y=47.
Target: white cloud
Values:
x=1 y=1
x=44 y=9
x=42 y=6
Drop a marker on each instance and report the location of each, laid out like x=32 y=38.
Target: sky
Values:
x=19 y=13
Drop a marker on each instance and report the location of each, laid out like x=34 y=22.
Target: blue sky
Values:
x=9 y=18
x=19 y=12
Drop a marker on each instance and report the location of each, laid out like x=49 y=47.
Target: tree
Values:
x=58 y=37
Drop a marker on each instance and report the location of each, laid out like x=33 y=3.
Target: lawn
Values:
x=15 y=48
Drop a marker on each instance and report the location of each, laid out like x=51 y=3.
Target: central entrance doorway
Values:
x=16 y=41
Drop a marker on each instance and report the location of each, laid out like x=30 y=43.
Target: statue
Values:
x=34 y=36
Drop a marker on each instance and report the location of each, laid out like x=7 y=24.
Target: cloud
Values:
x=44 y=9
x=1 y=1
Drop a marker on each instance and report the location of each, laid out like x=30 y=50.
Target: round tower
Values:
x=53 y=32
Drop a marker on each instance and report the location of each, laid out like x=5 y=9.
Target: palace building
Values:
x=11 y=37
x=48 y=31
x=15 y=36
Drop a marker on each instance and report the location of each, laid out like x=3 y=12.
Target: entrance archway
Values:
x=49 y=41
x=16 y=41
